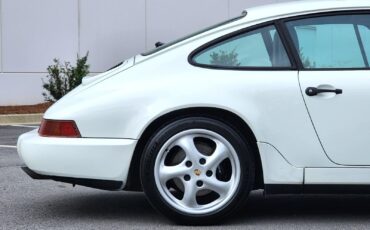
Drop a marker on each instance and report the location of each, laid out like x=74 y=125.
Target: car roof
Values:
x=293 y=8
x=286 y=9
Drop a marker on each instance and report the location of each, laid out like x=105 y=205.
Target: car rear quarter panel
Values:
x=270 y=102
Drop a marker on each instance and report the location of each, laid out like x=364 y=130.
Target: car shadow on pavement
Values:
x=306 y=209
x=298 y=209
x=123 y=206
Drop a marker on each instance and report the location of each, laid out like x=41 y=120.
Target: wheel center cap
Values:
x=197 y=172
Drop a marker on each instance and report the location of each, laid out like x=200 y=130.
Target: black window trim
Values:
x=240 y=32
x=315 y=15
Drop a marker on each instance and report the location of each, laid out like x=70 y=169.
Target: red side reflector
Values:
x=56 y=128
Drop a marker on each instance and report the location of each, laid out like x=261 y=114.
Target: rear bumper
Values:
x=78 y=158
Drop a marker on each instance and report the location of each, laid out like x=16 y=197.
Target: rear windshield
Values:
x=166 y=45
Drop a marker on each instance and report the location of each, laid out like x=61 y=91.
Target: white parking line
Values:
x=26 y=126
x=8 y=146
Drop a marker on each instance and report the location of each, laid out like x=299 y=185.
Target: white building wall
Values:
x=33 y=32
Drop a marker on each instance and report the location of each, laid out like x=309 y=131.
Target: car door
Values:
x=334 y=52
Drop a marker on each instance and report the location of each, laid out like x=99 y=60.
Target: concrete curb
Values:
x=9 y=119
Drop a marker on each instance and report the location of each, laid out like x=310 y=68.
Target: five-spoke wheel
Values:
x=197 y=171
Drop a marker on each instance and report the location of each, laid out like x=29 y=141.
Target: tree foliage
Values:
x=224 y=58
x=62 y=78
x=306 y=60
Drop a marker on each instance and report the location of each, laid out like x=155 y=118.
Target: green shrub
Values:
x=62 y=78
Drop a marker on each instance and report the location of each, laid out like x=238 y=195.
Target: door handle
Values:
x=313 y=91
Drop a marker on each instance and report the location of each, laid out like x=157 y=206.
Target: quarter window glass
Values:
x=331 y=42
x=259 y=48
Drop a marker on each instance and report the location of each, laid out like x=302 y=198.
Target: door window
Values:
x=332 y=42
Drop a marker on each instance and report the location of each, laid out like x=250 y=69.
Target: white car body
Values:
x=301 y=140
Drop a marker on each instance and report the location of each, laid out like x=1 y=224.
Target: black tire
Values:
x=244 y=153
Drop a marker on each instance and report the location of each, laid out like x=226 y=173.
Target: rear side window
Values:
x=258 y=48
x=332 y=42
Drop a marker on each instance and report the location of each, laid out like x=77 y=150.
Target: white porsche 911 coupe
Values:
x=276 y=99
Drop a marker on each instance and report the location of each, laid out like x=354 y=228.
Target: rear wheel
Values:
x=197 y=171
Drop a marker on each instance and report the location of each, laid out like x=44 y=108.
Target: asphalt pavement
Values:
x=30 y=204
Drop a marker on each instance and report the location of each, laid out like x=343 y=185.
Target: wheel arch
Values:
x=230 y=118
